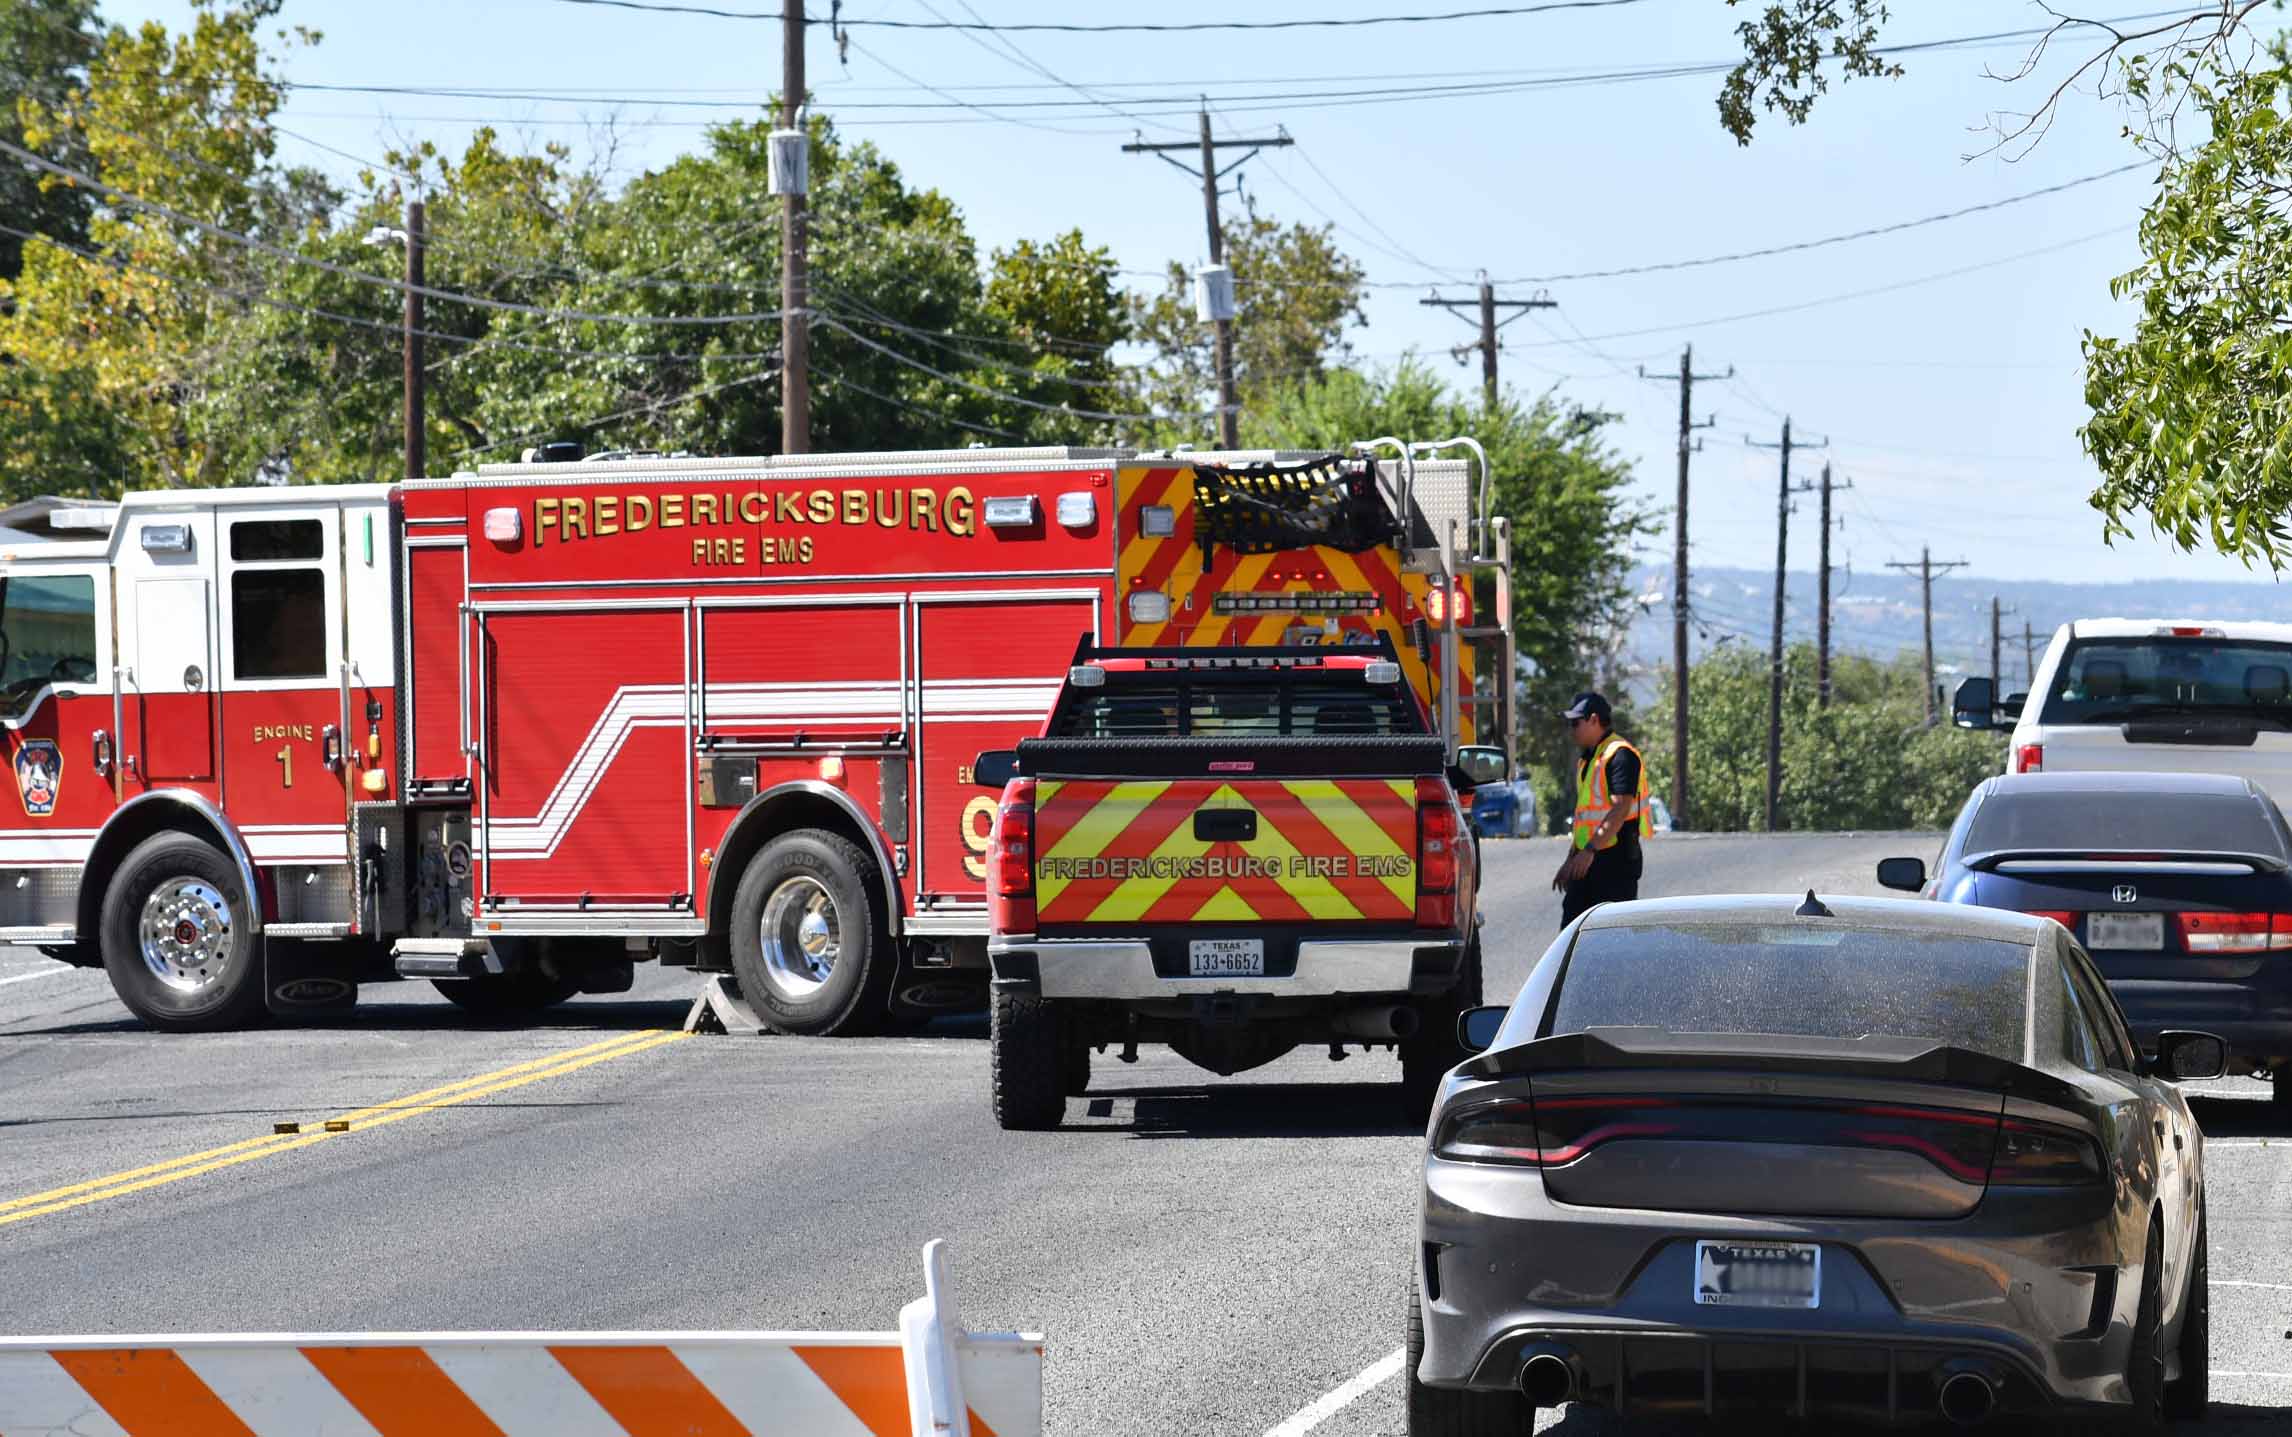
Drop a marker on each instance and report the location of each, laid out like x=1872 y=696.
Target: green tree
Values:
x=1295 y=296
x=2191 y=421
x=1563 y=489
x=45 y=46
x=119 y=358
x=1867 y=761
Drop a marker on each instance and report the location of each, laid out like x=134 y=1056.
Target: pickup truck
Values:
x=1233 y=851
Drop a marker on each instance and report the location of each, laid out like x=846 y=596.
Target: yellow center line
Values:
x=431 y=1100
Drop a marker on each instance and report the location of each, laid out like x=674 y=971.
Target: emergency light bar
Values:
x=87 y=519
x=1341 y=603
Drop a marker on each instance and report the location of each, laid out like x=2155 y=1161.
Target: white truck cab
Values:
x=2148 y=695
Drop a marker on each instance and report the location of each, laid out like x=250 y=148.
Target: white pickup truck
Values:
x=2149 y=695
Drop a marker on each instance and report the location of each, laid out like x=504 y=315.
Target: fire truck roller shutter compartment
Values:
x=584 y=782
x=991 y=665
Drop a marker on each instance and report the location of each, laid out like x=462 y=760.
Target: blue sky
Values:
x=1951 y=405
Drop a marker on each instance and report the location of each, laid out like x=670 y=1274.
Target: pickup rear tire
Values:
x=1031 y=1061
x=182 y=938
x=1427 y=1056
x=810 y=940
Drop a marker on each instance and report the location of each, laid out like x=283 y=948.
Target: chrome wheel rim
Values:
x=185 y=934
x=802 y=936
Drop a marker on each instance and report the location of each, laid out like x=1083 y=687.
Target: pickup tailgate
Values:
x=1273 y=832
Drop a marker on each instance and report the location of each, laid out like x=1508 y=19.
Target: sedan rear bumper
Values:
x=2256 y=1021
x=1849 y=1383
x=2030 y=1290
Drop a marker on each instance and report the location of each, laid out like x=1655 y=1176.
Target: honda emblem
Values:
x=2125 y=893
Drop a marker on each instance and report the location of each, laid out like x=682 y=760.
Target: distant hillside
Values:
x=1877 y=613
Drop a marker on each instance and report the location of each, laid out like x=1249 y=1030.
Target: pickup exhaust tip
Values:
x=1968 y=1399
x=1387 y=1023
x=1548 y=1379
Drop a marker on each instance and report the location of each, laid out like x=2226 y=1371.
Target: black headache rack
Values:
x=1211 y=658
x=1398 y=756
x=1914 y=1060
x=1267 y=507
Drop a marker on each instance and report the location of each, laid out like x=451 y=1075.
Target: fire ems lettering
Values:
x=568 y=519
x=1177 y=866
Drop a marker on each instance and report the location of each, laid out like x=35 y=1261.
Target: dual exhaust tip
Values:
x=1968 y=1396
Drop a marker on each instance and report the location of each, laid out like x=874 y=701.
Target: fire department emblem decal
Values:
x=39 y=773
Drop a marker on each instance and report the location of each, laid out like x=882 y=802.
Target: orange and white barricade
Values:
x=929 y=1379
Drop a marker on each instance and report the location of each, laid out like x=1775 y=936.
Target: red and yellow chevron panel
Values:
x=1174 y=565
x=1328 y=850
x=495 y=1385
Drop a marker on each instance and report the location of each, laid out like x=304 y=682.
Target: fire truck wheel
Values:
x=181 y=937
x=808 y=936
x=1030 y=1057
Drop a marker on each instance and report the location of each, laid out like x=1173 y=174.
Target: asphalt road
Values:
x=1205 y=1256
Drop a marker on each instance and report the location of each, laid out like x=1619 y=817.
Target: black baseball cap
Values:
x=1588 y=705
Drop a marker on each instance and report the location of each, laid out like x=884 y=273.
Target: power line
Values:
x=392 y=327
x=1843 y=238
x=1019 y=399
x=248 y=241
x=654 y=407
x=1831 y=299
x=664 y=7
x=835 y=381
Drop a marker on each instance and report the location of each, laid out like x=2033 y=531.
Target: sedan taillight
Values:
x=2041 y=1155
x=2234 y=932
x=2066 y=917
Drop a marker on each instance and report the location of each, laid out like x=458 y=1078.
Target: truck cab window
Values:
x=47 y=636
x=278 y=613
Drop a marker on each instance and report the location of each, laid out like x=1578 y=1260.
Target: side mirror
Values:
x=2010 y=707
x=995 y=767
x=1483 y=765
x=1905 y=874
x=2184 y=1057
x=1974 y=705
x=1476 y=1027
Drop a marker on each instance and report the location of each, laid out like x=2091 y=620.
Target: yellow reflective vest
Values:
x=1593 y=799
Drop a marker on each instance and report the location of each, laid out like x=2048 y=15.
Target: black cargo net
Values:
x=1265 y=508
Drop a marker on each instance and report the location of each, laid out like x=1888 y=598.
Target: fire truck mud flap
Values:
x=305 y=981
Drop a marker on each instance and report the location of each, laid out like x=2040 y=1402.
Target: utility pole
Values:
x=1822 y=604
x=2028 y=655
x=1229 y=405
x=795 y=299
x=1688 y=444
x=417 y=458
x=1926 y=567
x=1488 y=305
x=1775 y=645
x=1995 y=613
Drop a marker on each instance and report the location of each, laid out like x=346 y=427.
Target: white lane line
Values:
x=1329 y=1404
x=2267 y=1286
x=43 y=973
x=2232 y=1372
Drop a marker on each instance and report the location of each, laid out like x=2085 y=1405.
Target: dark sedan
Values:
x=2178 y=884
x=1863 y=1161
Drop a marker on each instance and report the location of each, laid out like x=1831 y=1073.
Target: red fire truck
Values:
x=512 y=730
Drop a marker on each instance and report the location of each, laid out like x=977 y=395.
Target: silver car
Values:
x=1858 y=1160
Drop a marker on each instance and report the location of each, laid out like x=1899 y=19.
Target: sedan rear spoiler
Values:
x=1915 y=1060
x=2111 y=860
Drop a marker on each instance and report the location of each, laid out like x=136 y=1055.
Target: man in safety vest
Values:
x=1611 y=812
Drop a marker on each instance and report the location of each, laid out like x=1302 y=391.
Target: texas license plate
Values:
x=1758 y=1274
x=2125 y=930
x=1226 y=957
